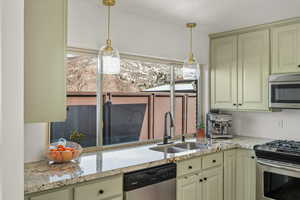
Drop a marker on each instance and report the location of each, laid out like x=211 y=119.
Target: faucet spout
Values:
x=166 y=136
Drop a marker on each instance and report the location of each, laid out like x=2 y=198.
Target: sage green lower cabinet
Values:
x=212 y=185
x=245 y=175
x=230 y=174
x=110 y=188
x=57 y=195
x=204 y=184
x=189 y=187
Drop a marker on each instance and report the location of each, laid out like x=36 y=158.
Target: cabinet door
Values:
x=246 y=175
x=45 y=42
x=224 y=73
x=229 y=175
x=286 y=49
x=188 y=188
x=212 y=184
x=253 y=70
x=61 y=195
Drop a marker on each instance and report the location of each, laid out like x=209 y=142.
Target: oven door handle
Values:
x=278 y=166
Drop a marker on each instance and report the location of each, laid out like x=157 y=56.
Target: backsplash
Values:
x=275 y=125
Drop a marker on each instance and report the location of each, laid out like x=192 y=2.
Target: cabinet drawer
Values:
x=188 y=166
x=61 y=195
x=108 y=187
x=212 y=160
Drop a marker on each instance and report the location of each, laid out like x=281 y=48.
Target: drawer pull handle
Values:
x=190 y=167
x=214 y=161
x=205 y=179
x=201 y=180
x=101 y=191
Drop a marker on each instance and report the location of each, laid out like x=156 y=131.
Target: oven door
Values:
x=277 y=182
x=284 y=95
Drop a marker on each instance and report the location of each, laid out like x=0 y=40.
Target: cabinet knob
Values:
x=190 y=167
x=200 y=180
x=205 y=179
x=214 y=161
x=240 y=104
x=234 y=104
x=299 y=66
x=252 y=157
x=101 y=191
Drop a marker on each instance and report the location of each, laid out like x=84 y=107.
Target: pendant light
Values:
x=191 y=66
x=109 y=57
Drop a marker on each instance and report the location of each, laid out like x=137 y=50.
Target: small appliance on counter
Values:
x=218 y=125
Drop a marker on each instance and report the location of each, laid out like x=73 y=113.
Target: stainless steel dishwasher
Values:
x=157 y=183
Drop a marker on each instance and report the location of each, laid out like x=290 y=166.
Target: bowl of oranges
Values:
x=63 y=151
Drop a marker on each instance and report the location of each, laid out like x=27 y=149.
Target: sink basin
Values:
x=168 y=149
x=191 y=145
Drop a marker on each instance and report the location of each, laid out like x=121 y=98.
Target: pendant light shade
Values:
x=109 y=57
x=190 y=70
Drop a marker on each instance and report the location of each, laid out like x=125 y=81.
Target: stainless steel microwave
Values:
x=284 y=91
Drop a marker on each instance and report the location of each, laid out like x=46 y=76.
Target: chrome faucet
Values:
x=166 y=136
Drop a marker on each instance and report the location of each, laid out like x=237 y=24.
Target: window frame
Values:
x=172 y=62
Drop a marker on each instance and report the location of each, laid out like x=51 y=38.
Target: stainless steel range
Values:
x=278 y=175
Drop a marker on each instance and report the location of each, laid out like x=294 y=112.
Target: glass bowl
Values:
x=63 y=151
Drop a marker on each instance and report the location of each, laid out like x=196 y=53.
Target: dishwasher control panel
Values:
x=150 y=176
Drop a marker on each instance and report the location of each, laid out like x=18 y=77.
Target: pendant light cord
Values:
x=191 y=41
x=108 y=23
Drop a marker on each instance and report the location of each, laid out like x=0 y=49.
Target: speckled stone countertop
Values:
x=41 y=176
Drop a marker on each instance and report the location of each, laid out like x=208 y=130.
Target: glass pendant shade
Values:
x=109 y=57
x=190 y=69
x=110 y=61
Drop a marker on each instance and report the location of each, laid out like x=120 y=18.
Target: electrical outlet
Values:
x=284 y=123
x=280 y=123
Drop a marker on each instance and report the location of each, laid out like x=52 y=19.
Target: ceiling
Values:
x=213 y=15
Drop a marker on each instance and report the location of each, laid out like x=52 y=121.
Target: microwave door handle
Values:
x=277 y=166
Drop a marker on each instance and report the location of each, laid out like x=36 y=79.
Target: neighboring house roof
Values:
x=178 y=88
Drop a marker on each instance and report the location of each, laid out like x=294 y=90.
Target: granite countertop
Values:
x=40 y=176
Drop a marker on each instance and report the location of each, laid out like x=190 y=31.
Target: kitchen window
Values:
x=134 y=101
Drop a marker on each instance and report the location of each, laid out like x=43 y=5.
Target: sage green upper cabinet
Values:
x=239 y=71
x=286 y=48
x=253 y=70
x=45 y=44
x=224 y=72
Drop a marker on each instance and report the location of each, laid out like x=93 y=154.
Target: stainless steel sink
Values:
x=179 y=147
x=168 y=149
x=190 y=145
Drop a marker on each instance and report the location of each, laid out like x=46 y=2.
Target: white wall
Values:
x=35 y=141
x=12 y=143
x=130 y=34
x=276 y=125
x=1 y=197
